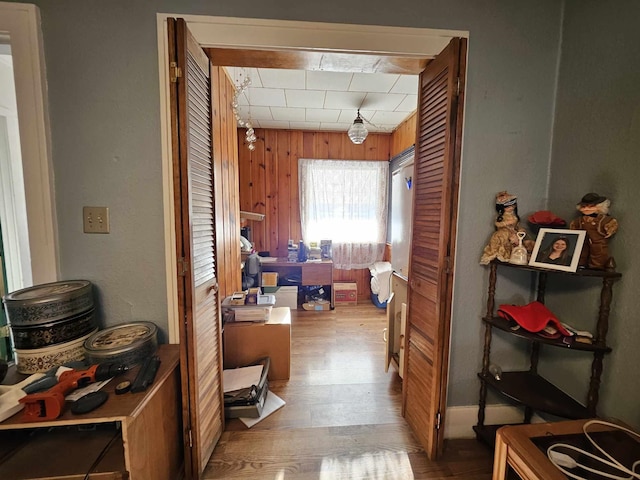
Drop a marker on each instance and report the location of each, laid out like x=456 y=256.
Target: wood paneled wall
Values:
x=227 y=205
x=269 y=184
x=404 y=136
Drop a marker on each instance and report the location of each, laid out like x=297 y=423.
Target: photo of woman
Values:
x=557 y=249
x=557 y=253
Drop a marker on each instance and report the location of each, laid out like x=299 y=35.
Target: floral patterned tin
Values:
x=40 y=336
x=43 y=359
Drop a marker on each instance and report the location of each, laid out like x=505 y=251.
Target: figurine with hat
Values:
x=600 y=226
x=507 y=225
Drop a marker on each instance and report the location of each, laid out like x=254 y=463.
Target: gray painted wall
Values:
x=103 y=90
x=596 y=147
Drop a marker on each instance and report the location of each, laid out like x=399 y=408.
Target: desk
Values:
x=247 y=342
x=515 y=448
x=310 y=273
x=146 y=425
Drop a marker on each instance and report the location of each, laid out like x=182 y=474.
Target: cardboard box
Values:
x=317 y=305
x=286 y=296
x=245 y=343
x=345 y=293
x=269 y=279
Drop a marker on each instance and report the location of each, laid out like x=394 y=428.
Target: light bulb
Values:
x=495 y=371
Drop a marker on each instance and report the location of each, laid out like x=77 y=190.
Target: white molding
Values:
x=273 y=34
x=335 y=37
x=22 y=23
x=459 y=421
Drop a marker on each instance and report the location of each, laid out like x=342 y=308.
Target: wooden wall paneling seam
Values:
x=297 y=148
x=282 y=188
x=258 y=190
x=271 y=188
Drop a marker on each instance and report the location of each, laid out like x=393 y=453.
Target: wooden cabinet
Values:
x=139 y=435
x=396 y=324
x=528 y=388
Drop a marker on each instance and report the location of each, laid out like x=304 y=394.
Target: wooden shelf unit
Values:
x=528 y=388
x=144 y=429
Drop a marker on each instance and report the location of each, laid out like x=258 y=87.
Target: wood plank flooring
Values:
x=342 y=415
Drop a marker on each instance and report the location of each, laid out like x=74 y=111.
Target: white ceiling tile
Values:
x=372 y=82
x=288 y=114
x=409 y=104
x=336 y=127
x=381 y=118
x=338 y=81
x=348 y=115
x=322 y=115
x=344 y=100
x=267 y=97
x=379 y=101
x=276 y=78
x=238 y=74
x=252 y=73
x=406 y=84
x=242 y=99
x=256 y=113
x=273 y=124
x=305 y=125
x=304 y=98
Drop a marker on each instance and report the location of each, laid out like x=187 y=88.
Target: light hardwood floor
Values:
x=342 y=415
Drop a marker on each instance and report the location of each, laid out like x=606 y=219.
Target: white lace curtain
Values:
x=345 y=201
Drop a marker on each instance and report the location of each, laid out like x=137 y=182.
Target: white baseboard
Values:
x=460 y=420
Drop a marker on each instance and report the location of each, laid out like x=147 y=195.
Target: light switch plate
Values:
x=95 y=219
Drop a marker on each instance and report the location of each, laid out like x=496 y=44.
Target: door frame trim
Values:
x=22 y=22
x=211 y=31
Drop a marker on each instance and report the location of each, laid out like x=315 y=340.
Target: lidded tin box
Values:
x=125 y=344
x=49 y=302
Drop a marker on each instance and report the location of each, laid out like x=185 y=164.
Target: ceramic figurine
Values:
x=600 y=226
x=505 y=238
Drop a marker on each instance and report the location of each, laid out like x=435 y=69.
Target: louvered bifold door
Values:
x=200 y=338
x=436 y=178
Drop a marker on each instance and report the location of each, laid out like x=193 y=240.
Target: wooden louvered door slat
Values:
x=199 y=306
x=435 y=205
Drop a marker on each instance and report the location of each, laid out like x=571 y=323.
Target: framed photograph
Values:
x=558 y=249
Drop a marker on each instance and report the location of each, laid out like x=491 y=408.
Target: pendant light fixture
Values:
x=358 y=132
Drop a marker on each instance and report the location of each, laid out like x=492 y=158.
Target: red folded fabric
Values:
x=533 y=317
x=546 y=217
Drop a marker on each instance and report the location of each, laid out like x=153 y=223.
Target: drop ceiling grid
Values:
x=319 y=100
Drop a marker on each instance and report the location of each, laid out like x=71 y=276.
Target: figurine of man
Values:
x=599 y=225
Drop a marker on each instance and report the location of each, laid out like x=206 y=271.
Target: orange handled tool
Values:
x=49 y=405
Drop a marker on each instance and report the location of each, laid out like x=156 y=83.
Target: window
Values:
x=345 y=201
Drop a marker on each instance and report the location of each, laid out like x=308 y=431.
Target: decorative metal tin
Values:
x=43 y=359
x=128 y=344
x=61 y=331
x=46 y=303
